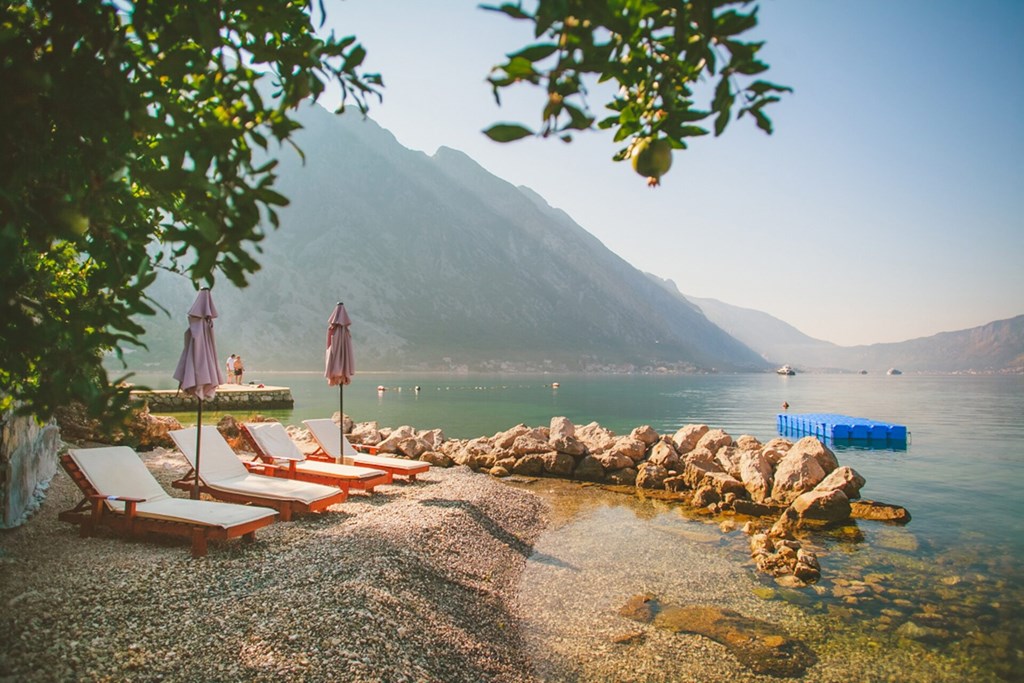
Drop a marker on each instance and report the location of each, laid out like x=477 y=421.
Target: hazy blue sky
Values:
x=888 y=205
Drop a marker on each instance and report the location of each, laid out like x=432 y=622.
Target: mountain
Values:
x=441 y=266
x=995 y=347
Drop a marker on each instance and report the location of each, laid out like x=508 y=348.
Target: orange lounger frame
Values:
x=98 y=509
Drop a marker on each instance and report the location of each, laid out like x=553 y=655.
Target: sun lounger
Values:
x=272 y=443
x=226 y=478
x=122 y=495
x=336 y=446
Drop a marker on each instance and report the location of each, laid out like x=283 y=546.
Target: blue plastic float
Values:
x=833 y=427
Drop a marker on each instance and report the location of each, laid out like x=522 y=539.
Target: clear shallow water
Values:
x=955 y=569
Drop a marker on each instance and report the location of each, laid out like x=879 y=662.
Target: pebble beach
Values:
x=415 y=582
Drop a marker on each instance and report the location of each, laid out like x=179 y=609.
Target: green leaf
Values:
x=507 y=132
x=535 y=53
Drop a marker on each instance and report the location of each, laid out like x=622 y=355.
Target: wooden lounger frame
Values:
x=285 y=507
x=290 y=471
x=91 y=513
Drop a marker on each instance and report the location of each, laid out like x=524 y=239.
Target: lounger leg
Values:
x=286 y=513
x=198 y=542
x=249 y=537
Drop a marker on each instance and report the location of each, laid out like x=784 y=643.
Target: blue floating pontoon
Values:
x=833 y=427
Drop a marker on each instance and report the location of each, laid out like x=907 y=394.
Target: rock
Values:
x=752 y=509
x=531 y=465
x=797 y=473
x=845 y=479
x=676 y=483
x=883 y=512
x=589 y=469
x=714 y=439
x=775 y=450
x=758 y=645
x=368 y=433
x=786 y=524
x=651 y=476
x=505 y=439
x=432 y=437
x=645 y=434
x=724 y=484
x=499 y=471
x=825 y=507
x=695 y=471
x=729 y=458
x=569 y=445
x=664 y=453
x=705 y=496
x=686 y=439
x=640 y=608
x=614 y=460
x=634 y=449
x=412 y=447
x=558 y=464
x=530 y=443
x=746 y=442
x=596 y=438
x=756 y=474
x=926 y=634
x=561 y=428
x=822 y=453
x=625 y=477
x=437 y=459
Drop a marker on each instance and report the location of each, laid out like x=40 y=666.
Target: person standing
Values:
x=229 y=369
x=239 y=369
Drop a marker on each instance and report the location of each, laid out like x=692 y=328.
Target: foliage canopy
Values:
x=141 y=134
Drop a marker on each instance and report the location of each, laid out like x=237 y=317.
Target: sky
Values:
x=888 y=204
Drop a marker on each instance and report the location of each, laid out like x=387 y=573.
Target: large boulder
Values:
x=530 y=443
x=797 y=473
x=645 y=434
x=664 y=453
x=437 y=459
x=561 y=427
x=775 y=450
x=746 y=442
x=529 y=466
x=368 y=433
x=714 y=439
x=412 y=447
x=432 y=437
x=651 y=476
x=596 y=438
x=505 y=439
x=822 y=507
x=634 y=449
x=822 y=453
x=696 y=468
x=569 y=445
x=845 y=479
x=614 y=460
x=686 y=438
x=724 y=483
x=729 y=458
x=624 y=477
x=756 y=474
x=589 y=469
x=558 y=464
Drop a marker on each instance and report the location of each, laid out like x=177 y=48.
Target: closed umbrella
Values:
x=340 y=362
x=198 y=372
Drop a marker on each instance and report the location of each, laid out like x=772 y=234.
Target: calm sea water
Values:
x=954 y=573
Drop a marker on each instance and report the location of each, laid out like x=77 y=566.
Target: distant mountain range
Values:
x=443 y=266
x=995 y=347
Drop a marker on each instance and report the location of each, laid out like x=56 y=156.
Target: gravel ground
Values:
x=414 y=583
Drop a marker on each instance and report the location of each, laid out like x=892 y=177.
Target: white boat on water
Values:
x=893 y=371
x=786 y=370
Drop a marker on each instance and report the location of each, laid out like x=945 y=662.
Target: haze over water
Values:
x=955 y=571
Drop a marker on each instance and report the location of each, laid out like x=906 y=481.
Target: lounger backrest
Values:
x=216 y=459
x=325 y=431
x=273 y=440
x=117 y=471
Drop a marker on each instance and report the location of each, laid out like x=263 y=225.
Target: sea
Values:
x=941 y=598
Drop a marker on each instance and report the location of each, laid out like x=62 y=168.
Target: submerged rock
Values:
x=758 y=645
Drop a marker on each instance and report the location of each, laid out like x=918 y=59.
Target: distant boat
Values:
x=863 y=372
x=894 y=371
x=786 y=370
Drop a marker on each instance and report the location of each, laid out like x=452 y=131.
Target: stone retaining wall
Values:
x=28 y=461
x=245 y=398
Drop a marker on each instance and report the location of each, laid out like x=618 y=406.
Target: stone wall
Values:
x=28 y=461
x=170 y=401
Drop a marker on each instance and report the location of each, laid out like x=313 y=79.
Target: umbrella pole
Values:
x=199 y=432
x=341 y=423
